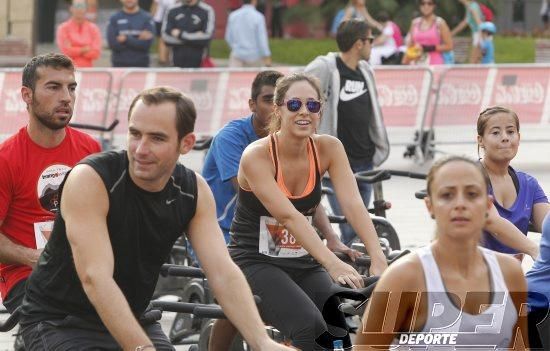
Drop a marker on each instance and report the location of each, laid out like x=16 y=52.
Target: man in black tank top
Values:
x=120 y=215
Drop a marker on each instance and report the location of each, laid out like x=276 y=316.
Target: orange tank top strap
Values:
x=314 y=168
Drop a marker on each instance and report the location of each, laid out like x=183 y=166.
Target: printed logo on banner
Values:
x=460 y=94
x=238 y=99
x=13 y=102
x=200 y=95
x=398 y=95
x=125 y=99
x=521 y=94
x=92 y=100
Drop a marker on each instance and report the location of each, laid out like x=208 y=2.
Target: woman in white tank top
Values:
x=452 y=294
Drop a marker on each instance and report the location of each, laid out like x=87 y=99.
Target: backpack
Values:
x=487 y=13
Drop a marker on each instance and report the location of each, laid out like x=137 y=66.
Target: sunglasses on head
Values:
x=294 y=105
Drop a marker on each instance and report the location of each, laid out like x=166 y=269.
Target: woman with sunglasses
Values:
x=272 y=237
x=451 y=287
x=429 y=37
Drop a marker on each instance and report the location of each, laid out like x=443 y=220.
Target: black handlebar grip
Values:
x=209 y=312
x=181 y=307
x=337 y=219
x=203 y=143
x=181 y=271
x=373 y=176
x=421 y=194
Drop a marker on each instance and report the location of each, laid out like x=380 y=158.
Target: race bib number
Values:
x=276 y=241
x=42 y=231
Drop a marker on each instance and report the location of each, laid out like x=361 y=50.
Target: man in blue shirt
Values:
x=222 y=161
x=130 y=35
x=246 y=35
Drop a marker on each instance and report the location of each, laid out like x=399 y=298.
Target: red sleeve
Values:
x=64 y=43
x=95 y=45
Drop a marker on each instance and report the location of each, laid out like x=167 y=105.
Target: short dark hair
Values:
x=57 y=61
x=264 y=78
x=186 y=114
x=349 y=32
x=246 y=2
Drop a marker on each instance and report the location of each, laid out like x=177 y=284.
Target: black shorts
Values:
x=73 y=333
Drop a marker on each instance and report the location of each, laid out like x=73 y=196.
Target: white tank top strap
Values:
x=491 y=327
x=497 y=278
x=433 y=280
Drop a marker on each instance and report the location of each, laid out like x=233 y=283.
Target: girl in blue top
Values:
x=517 y=196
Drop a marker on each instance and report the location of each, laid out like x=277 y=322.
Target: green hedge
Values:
x=299 y=52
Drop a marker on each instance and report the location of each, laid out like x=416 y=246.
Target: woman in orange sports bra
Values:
x=272 y=237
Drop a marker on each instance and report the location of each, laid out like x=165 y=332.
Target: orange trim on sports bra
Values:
x=313 y=166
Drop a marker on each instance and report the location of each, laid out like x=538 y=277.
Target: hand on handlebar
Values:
x=377 y=267
x=343 y=273
x=338 y=246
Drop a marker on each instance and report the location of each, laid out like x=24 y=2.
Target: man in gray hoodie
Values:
x=351 y=111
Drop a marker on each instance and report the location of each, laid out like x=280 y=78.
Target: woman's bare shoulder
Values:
x=405 y=274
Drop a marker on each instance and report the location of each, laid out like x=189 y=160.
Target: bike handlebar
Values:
x=365 y=261
x=11 y=322
x=380 y=175
x=97 y=128
x=175 y=270
x=421 y=194
x=203 y=143
x=337 y=219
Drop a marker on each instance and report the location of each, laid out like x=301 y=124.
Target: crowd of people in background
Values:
x=184 y=29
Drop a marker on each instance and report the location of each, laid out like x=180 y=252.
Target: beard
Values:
x=47 y=119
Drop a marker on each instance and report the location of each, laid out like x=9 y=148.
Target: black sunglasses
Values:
x=369 y=39
x=294 y=105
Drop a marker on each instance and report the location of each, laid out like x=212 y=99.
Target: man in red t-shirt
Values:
x=33 y=163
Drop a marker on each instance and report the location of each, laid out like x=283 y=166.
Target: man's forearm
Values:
x=12 y=253
x=322 y=223
x=508 y=234
x=234 y=295
x=114 y=311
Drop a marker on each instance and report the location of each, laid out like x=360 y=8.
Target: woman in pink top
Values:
x=429 y=36
x=79 y=38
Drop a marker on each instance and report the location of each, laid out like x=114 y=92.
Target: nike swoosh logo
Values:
x=345 y=96
x=168 y=202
